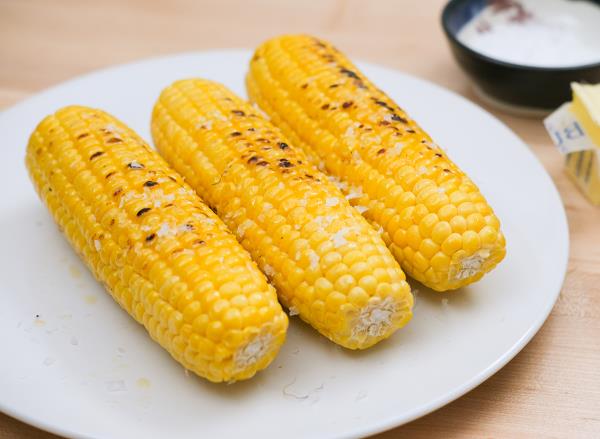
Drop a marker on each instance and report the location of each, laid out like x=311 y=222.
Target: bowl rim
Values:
x=522 y=67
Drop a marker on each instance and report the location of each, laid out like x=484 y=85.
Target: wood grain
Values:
x=552 y=388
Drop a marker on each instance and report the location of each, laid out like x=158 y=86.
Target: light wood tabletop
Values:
x=552 y=388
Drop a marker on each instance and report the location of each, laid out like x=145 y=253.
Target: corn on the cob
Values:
x=433 y=217
x=327 y=263
x=160 y=251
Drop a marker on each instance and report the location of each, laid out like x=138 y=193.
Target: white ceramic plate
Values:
x=85 y=368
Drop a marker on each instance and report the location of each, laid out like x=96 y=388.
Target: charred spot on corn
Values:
x=114 y=140
x=319 y=43
x=150 y=237
x=285 y=163
x=238 y=112
x=381 y=151
x=349 y=73
x=235 y=134
x=324 y=106
x=347 y=104
x=135 y=165
x=110 y=174
x=150 y=183
x=383 y=104
x=142 y=211
x=117 y=192
x=96 y=154
x=82 y=135
x=283 y=145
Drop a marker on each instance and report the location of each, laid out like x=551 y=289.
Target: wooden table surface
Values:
x=552 y=388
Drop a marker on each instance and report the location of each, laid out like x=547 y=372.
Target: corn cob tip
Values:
x=377 y=321
x=463 y=270
x=253 y=351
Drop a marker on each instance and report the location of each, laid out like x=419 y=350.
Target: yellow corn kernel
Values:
x=471 y=241
x=440 y=262
x=459 y=224
x=112 y=195
x=354 y=131
x=452 y=244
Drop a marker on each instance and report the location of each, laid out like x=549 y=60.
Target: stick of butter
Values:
x=575 y=130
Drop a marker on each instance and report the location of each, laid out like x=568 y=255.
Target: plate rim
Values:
x=389 y=422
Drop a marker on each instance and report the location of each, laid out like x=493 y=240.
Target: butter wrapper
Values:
x=566 y=132
x=582 y=155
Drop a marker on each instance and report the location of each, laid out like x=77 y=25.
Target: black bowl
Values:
x=514 y=84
